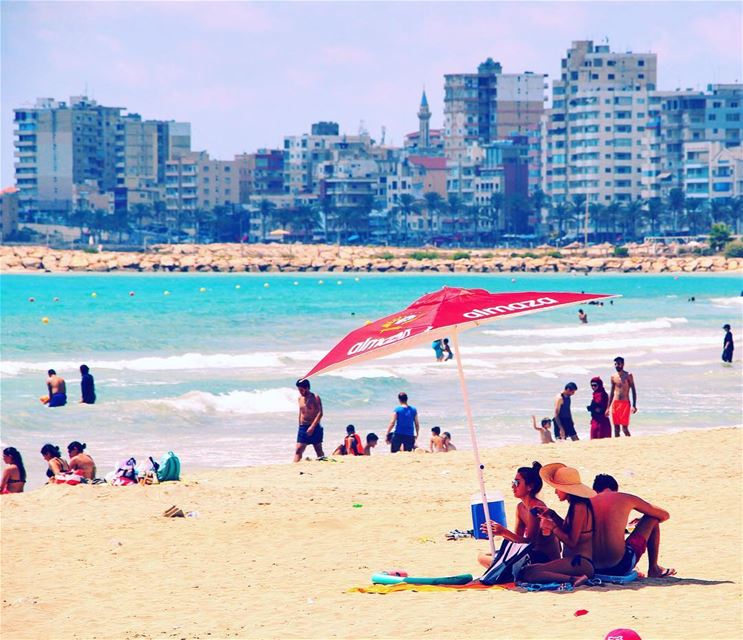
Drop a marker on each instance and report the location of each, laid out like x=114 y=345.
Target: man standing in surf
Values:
x=310 y=413
x=622 y=384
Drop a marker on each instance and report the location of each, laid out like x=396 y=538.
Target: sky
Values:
x=244 y=74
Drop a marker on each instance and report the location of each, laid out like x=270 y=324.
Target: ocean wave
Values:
x=357 y=373
x=281 y=400
x=604 y=328
x=735 y=301
x=183 y=362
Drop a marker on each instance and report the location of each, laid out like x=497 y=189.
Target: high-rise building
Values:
x=260 y=173
x=196 y=182
x=58 y=145
x=489 y=105
x=593 y=136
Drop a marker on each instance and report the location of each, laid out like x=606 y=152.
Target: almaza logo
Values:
x=507 y=308
x=390 y=325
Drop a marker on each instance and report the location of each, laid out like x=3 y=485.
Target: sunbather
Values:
x=53 y=456
x=80 y=462
x=448 y=444
x=575 y=531
x=14 y=475
x=613 y=555
x=526 y=485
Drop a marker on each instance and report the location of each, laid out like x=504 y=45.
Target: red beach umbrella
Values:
x=443 y=314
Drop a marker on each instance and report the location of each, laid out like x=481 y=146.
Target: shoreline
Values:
x=280 y=258
x=275 y=550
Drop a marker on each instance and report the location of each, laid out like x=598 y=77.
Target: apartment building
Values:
x=304 y=152
x=59 y=144
x=489 y=105
x=8 y=211
x=712 y=170
x=593 y=135
x=260 y=173
x=196 y=182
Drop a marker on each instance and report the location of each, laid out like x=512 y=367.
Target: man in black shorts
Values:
x=310 y=413
x=563 y=420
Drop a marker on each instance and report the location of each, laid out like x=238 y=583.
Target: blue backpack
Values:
x=170 y=468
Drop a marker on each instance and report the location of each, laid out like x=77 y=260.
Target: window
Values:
x=594 y=76
x=611 y=76
x=640 y=63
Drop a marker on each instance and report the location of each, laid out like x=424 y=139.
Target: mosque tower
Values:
x=424 y=115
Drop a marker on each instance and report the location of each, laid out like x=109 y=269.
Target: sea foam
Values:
x=281 y=400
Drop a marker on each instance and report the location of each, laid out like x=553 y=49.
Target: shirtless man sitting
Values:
x=436 y=444
x=57 y=389
x=612 y=554
x=622 y=383
x=81 y=463
x=310 y=413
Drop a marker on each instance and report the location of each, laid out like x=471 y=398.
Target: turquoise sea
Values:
x=208 y=369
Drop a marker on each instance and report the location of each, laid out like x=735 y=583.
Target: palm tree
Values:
x=677 y=204
x=537 y=202
x=613 y=212
x=307 y=219
x=631 y=214
x=697 y=215
x=434 y=203
x=577 y=212
x=735 y=207
x=597 y=216
x=405 y=205
x=559 y=215
x=495 y=206
x=652 y=215
x=265 y=211
x=454 y=205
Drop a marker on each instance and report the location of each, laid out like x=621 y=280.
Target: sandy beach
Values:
x=274 y=550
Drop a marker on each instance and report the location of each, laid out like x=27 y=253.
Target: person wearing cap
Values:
x=563 y=419
x=310 y=413
x=727 y=344
x=575 y=531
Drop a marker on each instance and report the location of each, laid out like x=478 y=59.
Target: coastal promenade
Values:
x=240 y=258
x=275 y=549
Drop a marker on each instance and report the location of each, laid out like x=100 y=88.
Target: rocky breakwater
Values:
x=257 y=258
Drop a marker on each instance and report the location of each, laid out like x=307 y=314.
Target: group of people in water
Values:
x=57 y=388
x=590 y=538
x=80 y=466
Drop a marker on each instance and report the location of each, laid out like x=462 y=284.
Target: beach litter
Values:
x=174 y=512
x=356 y=505
x=580 y=612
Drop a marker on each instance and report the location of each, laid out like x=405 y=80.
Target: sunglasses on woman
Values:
x=515 y=482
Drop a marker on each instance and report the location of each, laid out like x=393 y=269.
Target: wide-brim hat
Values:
x=566 y=479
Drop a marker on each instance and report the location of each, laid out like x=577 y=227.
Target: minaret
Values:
x=424 y=115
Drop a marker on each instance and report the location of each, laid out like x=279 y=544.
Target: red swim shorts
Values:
x=620 y=412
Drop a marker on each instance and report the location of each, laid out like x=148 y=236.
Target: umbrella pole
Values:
x=475 y=449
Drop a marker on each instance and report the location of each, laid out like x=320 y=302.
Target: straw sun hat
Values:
x=565 y=479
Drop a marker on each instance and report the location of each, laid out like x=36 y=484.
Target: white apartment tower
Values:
x=594 y=133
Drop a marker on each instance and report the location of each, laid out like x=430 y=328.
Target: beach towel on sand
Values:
x=170 y=468
x=508 y=561
x=404 y=586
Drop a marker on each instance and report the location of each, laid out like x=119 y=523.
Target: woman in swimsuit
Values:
x=57 y=464
x=14 y=476
x=525 y=486
x=575 y=531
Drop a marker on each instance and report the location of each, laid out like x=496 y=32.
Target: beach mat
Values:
x=405 y=586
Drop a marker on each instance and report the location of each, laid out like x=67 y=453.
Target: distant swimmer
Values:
x=87 y=385
x=622 y=384
x=57 y=389
x=727 y=344
x=582 y=316
x=310 y=413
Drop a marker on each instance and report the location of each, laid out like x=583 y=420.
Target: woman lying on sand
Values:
x=575 y=531
x=526 y=485
x=14 y=476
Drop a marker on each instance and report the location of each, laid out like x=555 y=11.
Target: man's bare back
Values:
x=83 y=465
x=611 y=510
x=56 y=384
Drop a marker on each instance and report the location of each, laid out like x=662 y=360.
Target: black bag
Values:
x=508 y=561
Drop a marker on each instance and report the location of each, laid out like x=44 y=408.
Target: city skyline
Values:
x=246 y=74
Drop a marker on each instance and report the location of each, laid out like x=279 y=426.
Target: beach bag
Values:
x=508 y=561
x=126 y=473
x=170 y=468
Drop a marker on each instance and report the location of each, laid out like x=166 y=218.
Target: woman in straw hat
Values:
x=575 y=531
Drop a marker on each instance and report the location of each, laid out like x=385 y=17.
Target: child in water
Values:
x=544 y=429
